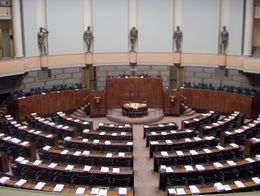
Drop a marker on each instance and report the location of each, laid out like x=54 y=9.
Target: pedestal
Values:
x=44 y=62
x=88 y=58
x=177 y=58
x=222 y=60
x=132 y=58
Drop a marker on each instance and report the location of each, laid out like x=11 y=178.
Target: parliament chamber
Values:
x=129 y=97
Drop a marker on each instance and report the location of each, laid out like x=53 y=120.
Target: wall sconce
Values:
x=97 y=100
x=172 y=98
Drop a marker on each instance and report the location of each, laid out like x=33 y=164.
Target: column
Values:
x=17 y=29
x=177 y=13
x=248 y=28
x=41 y=10
x=224 y=14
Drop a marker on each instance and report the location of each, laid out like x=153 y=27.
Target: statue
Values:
x=88 y=38
x=42 y=41
x=177 y=36
x=133 y=38
x=223 y=41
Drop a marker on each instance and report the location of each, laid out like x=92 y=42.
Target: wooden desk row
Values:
x=17 y=145
x=169 y=134
x=199 y=120
x=252 y=125
x=104 y=145
x=160 y=127
x=168 y=145
x=107 y=135
x=42 y=138
x=94 y=157
x=48 y=103
x=228 y=120
x=70 y=121
x=167 y=158
x=189 y=170
x=115 y=127
x=221 y=101
x=252 y=146
x=219 y=187
x=14 y=182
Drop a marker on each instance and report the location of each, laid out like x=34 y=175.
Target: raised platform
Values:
x=116 y=115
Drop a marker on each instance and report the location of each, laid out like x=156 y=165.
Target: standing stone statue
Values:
x=223 y=40
x=43 y=41
x=133 y=38
x=88 y=38
x=177 y=36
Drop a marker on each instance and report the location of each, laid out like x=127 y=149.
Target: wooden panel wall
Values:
x=119 y=90
x=48 y=103
x=221 y=101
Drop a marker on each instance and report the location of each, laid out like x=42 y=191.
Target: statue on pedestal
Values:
x=177 y=36
x=223 y=41
x=43 y=41
x=133 y=38
x=88 y=38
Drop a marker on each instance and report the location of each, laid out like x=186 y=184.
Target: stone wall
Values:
x=210 y=75
x=104 y=71
x=39 y=78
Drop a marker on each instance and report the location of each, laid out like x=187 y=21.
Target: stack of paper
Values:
x=209 y=137
x=154 y=142
x=69 y=167
x=217 y=165
x=116 y=170
x=24 y=161
x=195 y=119
x=58 y=188
x=173 y=132
x=94 y=191
x=20 y=183
x=180 y=191
x=194 y=152
x=114 y=134
x=85 y=140
x=102 y=192
x=67 y=138
x=188 y=130
x=95 y=141
x=207 y=127
x=194 y=189
x=85 y=153
x=239 y=184
x=37 y=162
x=171 y=124
x=200 y=167
x=104 y=170
x=77 y=153
x=4 y=179
x=256 y=180
x=80 y=191
x=108 y=155
x=64 y=152
x=163 y=133
x=179 y=153
x=121 y=154
x=127 y=125
x=100 y=124
x=164 y=154
x=207 y=150
x=153 y=133
x=250 y=160
x=197 y=138
x=161 y=125
x=102 y=133
x=169 y=169
x=39 y=185
x=168 y=141
x=227 y=187
x=146 y=126
x=234 y=145
x=188 y=168
x=111 y=125
x=52 y=165
x=107 y=142
x=220 y=147
x=19 y=159
x=130 y=143
x=86 y=130
x=120 y=126
x=122 y=191
x=171 y=191
x=219 y=186
x=87 y=168
x=231 y=163
x=187 y=140
x=123 y=133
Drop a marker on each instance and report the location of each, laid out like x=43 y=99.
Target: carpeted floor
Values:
x=146 y=181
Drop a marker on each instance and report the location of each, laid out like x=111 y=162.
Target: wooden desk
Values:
x=115 y=127
x=220 y=101
x=119 y=90
x=71 y=157
x=250 y=145
x=46 y=103
x=107 y=135
x=209 y=189
x=160 y=127
x=181 y=171
x=67 y=189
